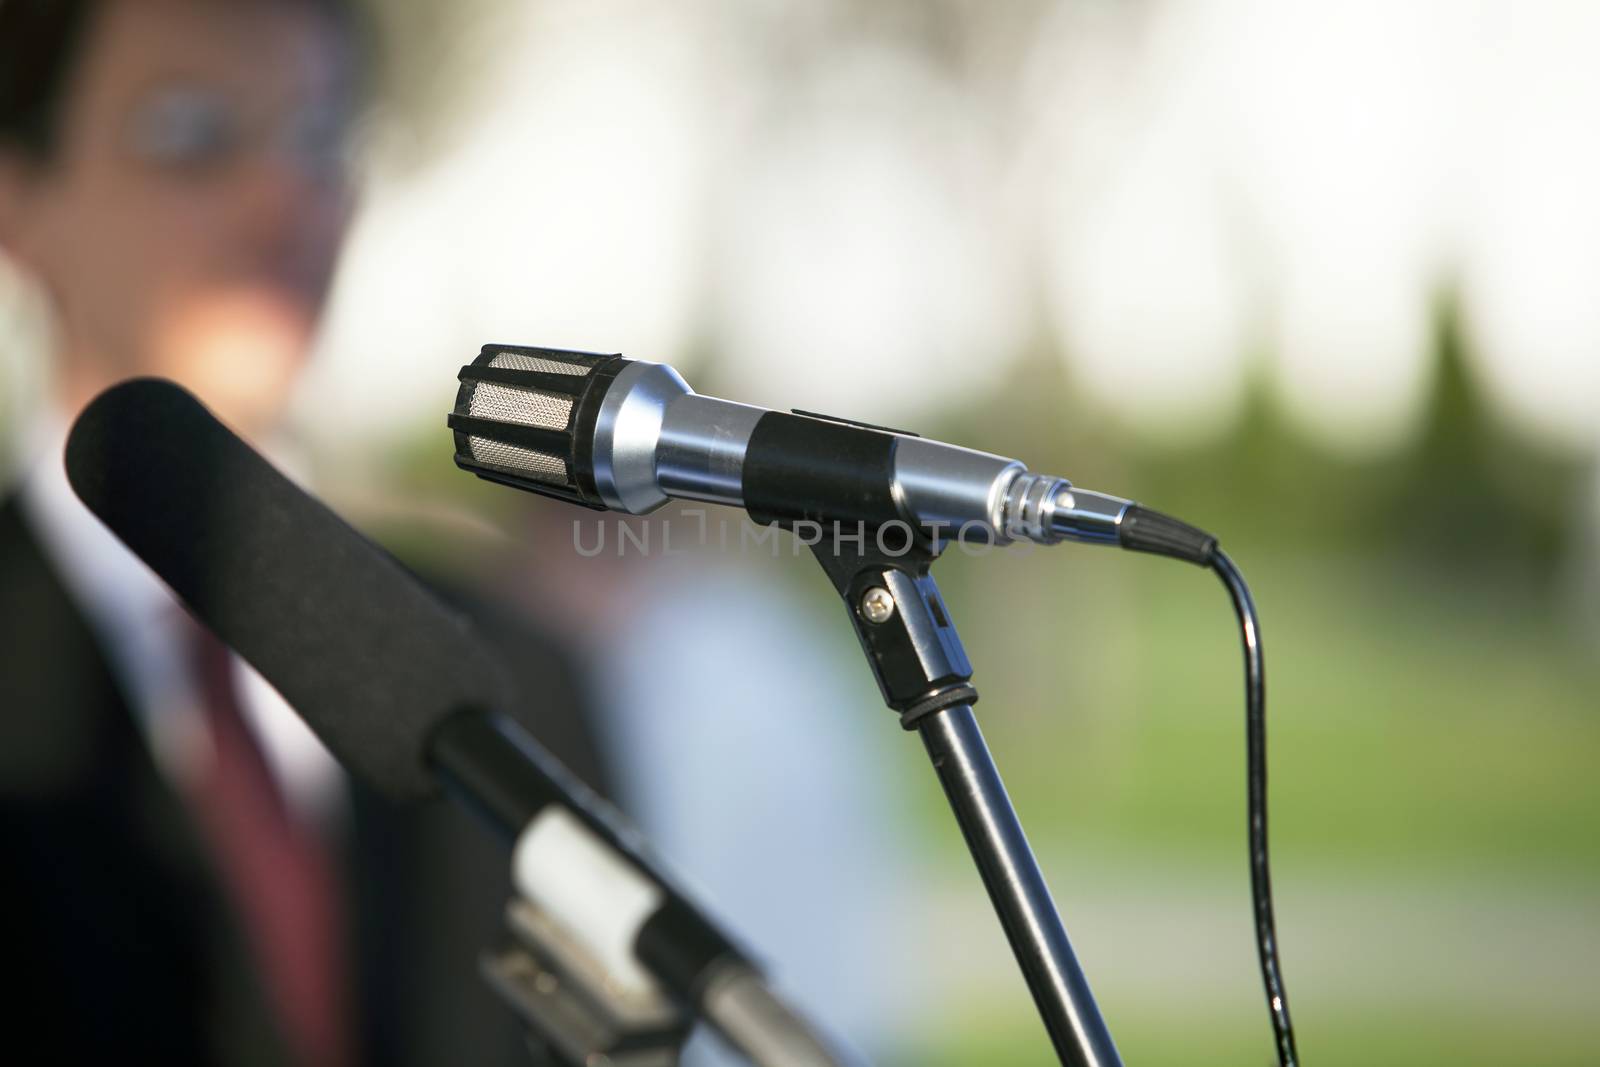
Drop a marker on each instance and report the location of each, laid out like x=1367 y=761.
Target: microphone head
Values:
x=368 y=657
x=525 y=417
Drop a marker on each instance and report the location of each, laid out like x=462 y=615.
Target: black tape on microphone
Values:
x=800 y=468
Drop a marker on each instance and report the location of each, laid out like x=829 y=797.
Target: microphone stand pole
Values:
x=924 y=674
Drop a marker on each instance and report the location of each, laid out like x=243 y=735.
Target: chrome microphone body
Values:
x=629 y=435
x=657 y=439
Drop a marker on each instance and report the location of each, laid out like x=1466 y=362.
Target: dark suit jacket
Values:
x=116 y=942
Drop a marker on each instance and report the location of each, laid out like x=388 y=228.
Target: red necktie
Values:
x=277 y=872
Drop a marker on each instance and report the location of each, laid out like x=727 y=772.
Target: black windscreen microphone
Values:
x=351 y=639
x=401 y=689
x=627 y=435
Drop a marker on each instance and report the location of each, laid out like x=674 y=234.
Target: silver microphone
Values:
x=628 y=435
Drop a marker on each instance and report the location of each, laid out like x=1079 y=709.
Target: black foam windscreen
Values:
x=355 y=643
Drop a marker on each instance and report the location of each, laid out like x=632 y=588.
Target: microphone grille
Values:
x=525 y=417
x=522 y=359
x=527 y=407
x=541 y=466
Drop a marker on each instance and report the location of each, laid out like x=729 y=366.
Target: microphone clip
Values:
x=905 y=631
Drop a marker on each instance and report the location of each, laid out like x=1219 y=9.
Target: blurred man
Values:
x=187 y=878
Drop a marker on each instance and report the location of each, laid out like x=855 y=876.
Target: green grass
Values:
x=1422 y=731
x=1409 y=723
x=1347 y=1037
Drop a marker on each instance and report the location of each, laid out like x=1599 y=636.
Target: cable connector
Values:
x=1143 y=529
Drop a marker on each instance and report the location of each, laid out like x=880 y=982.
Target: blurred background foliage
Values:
x=1428 y=592
x=1433 y=735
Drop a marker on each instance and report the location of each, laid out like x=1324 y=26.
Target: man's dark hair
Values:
x=41 y=45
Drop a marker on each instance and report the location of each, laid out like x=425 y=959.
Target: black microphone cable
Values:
x=1255 y=726
x=1143 y=529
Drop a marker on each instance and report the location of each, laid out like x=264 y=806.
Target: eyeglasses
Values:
x=198 y=129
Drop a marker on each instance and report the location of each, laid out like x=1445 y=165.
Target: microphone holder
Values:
x=574 y=1016
x=924 y=675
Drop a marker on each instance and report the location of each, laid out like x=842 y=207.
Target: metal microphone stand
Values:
x=924 y=674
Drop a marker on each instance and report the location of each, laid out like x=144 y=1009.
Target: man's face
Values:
x=188 y=223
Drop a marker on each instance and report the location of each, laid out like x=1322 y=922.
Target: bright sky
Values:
x=872 y=215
